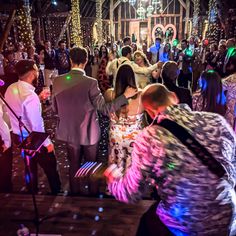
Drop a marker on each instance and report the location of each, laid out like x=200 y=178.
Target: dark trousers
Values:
x=6 y=171
x=184 y=79
x=47 y=162
x=75 y=156
x=151 y=225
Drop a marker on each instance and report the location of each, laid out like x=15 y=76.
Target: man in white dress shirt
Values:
x=5 y=154
x=26 y=104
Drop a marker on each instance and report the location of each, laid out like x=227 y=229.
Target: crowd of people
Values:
x=189 y=83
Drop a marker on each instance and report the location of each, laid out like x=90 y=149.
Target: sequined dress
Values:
x=123 y=131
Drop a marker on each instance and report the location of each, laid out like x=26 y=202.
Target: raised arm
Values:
x=144 y=70
x=100 y=104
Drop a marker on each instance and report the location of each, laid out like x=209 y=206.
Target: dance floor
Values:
x=70 y=216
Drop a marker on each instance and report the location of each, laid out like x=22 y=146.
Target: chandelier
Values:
x=146 y=8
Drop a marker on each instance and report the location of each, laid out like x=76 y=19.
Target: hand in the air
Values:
x=113 y=172
x=130 y=92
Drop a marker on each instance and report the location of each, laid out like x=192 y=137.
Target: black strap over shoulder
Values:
x=117 y=63
x=194 y=146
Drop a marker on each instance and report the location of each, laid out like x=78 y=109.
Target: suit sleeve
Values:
x=99 y=103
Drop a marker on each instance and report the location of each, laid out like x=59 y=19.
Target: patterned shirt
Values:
x=193 y=200
x=229 y=85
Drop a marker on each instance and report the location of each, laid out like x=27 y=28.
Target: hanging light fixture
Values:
x=146 y=10
x=132 y=2
x=141 y=10
x=156 y=2
x=150 y=10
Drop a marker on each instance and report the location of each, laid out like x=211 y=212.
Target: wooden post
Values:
x=38 y=31
x=187 y=17
x=149 y=39
x=112 y=34
x=65 y=26
x=43 y=29
x=68 y=36
x=7 y=29
x=125 y=16
x=119 y=22
x=181 y=23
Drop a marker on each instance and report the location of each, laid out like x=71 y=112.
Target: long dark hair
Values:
x=214 y=99
x=100 y=52
x=125 y=77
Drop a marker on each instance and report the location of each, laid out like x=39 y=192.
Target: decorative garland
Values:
x=213 y=18
x=99 y=21
x=196 y=12
x=76 y=28
x=25 y=26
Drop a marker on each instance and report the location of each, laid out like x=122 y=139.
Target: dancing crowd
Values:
x=171 y=110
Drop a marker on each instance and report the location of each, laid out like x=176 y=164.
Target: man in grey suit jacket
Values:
x=76 y=99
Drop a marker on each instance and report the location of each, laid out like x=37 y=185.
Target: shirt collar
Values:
x=26 y=85
x=78 y=69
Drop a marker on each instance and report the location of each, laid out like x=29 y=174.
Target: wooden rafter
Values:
x=116 y=4
x=65 y=26
x=46 y=5
x=183 y=4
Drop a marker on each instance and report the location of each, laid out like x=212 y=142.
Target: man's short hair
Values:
x=155 y=95
x=126 y=39
x=170 y=71
x=78 y=55
x=184 y=41
x=126 y=50
x=158 y=38
x=60 y=42
x=24 y=66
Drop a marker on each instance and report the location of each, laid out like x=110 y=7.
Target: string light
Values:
x=24 y=25
x=196 y=12
x=76 y=28
x=213 y=27
x=99 y=21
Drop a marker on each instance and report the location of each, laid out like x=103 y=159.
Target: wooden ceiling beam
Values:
x=183 y=4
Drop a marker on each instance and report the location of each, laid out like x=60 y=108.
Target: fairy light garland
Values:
x=76 y=27
x=213 y=27
x=99 y=21
x=196 y=13
x=24 y=25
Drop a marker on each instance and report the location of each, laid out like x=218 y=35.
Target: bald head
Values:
x=157 y=97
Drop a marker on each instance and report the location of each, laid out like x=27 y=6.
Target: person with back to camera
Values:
x=76 y=100
x=127 y=122
x=190 y=157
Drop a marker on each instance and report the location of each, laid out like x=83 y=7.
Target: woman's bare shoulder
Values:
x=109 y=95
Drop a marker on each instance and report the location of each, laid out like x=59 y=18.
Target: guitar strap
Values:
x=194 y=146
